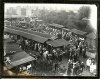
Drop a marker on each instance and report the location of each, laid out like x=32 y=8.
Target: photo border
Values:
x=40 y=2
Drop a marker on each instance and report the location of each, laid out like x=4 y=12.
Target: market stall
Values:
x=19 y=59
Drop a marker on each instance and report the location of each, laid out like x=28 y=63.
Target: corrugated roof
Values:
x=56 y=25
x=8 y=47
x=65 y=29
x=20 y=58
x=30 y=35
x=91 y=35
x=78 y=32
x=58 y=42
x=38 y=28
x=32 y=32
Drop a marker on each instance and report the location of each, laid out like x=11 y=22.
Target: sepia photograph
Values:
x=50 y=40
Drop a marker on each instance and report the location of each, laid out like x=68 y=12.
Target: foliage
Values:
x=84 y=12
x=67 y=19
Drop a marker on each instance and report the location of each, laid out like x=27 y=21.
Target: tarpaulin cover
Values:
x=32 y=32
x=38 y=28
x=78 y=32
x=20 y=58
x=56 y=25
x=28 y=34
x=91 y=35
x=58 y=42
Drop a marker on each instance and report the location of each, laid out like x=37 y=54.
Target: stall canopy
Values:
x=16 y=28
x=29 y=29
x=38 y=28
x=9 y=47
x=32 y=32
x=29 y=34
x=65 y=29
x=78 y=32
x=56 y=25
x=91 y=35
x=20 y=58
x=13 y=16
x=58 y=42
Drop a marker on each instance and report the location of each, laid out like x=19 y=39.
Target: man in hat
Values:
x=82 y=66
x=88 y=63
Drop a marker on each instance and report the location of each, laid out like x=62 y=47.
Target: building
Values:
x=18 y=9
x=23 y=11
x=11 y=11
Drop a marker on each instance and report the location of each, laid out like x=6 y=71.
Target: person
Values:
x=70 y=65
x=12 y=37
x=82 y=66
x=5 y=53
x=20 y=69
x=26 y=44
x=69 y=68
x=92 y=67
x=6 y=36
x=32 y=45
x=88 y=63
x=45 y=54
x=70 y=53
x=56 y=66
x=92 y=60
x=75 y=69
x=54 y=54
x=59 y=35
x=49 y=56
x=35 y=46
x=64 y=69
x=23 y=45
x=40 y=47
x=60 y=57
x=83 y=51
x=24 y=68
x=75 y=57
x=29 y=68
x=41 y=53
x=80 y=45
x=58 y=50
x=8 y=60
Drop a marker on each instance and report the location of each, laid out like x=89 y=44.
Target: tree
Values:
x=84 y=12
x=68 y=19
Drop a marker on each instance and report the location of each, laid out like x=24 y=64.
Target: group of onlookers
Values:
x=75 y=68
x=77 y=47
x=91 y=65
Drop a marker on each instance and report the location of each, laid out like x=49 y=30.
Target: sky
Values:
x=48 y=6
x=66 y=7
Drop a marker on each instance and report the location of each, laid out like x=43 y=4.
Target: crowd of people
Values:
x=75 y=68
x=91 y=65
x=53 y=56
x=33 y=24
